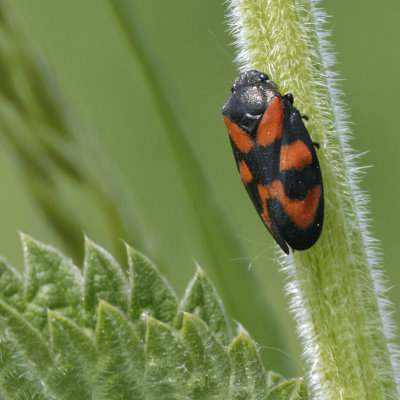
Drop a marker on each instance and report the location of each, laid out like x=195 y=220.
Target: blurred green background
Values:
x=119 y=136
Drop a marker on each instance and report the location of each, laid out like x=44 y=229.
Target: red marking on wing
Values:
x=263 y=192
x=301 y=212
x=270 y=127
x=295 y=155
x=241 y=139
x=245 y=173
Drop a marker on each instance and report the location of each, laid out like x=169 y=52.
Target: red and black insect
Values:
x=276 y=160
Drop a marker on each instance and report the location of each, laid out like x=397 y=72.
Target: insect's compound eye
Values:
x=263 y=77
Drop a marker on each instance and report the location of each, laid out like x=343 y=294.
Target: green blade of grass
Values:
x=215 y=229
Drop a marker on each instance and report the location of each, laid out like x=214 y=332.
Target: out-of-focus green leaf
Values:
x=209 y=217
x=37 y=127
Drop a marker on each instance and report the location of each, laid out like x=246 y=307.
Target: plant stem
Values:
x=337 y=292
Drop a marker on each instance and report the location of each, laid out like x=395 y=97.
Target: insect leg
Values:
x=316 y=144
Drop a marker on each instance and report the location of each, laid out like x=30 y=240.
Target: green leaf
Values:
x=53 y=282
x=29 y=351
x=151 y=294
x=11 y=286
x=212 y=369
x=104 y=280
x=168 y=364
x=248 y=375
x=121 y=363
x=17 y=380
x=201 y=299
x=75 y=357
x=273 y=379
x=114 y=362
x=293 y=389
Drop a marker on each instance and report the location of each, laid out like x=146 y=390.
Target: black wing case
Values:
x=256 y=148
x=298 y=199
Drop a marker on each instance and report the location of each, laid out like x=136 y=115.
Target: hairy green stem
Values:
x=337 y=292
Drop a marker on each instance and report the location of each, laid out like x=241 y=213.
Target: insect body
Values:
x=276 y=160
